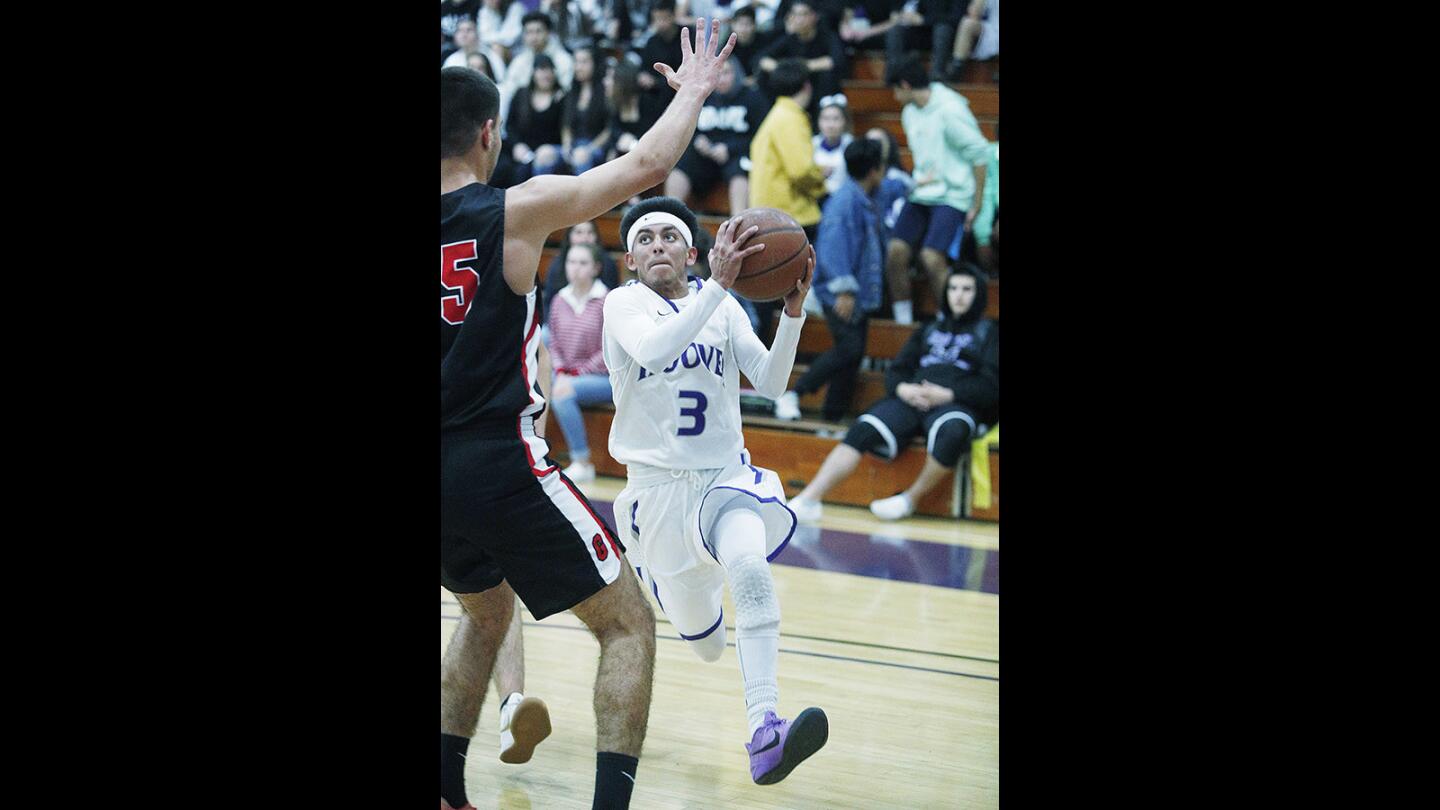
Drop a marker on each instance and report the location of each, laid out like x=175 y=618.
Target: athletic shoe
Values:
x=806 y=510
x=788 y=406
x=444 y=805
x=893 y=508
x=523 y=724
x=779 y=745
x=581 y=472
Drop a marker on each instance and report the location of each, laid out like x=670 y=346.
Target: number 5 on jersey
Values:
x=463 y=280
x=697 y=413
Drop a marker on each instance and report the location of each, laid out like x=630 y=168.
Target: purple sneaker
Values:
x=779 y=745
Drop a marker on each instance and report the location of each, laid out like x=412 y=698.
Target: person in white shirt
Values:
x=695 y=512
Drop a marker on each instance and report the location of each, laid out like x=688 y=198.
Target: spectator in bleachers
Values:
x=663 y=46
x=831 y=140
x=720 y=151
x=582 y=233
x=944 y=384
x=820 y=49
x=979 y=34
x=924 y=25
x=688 y=11
x=623 y=19
x=451 y=13
x=500 y=31
x=750 y=42
x=632 y=113
x=533 y=128
x=950 y=154
x=577 y=319
x=585 y=125
x=783 y=173
x=576 y=23
x=537 y=40
x=477 y=62
x=864 y=21
x=849 y=274
x=890 y=196
x=765 y=14
x=830 y=13
x=466 y=43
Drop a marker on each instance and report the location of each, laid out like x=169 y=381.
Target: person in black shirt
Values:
x=632 y=112
x=510 y=522
x=585 y=126
x=750 y=42
x=721 y=149
x=819 y=48
x=662 y=46
x=534 y=123
x=944 y=384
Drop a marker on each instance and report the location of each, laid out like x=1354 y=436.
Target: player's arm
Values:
x=769 y=369
x=542 y=205
x=656 y=345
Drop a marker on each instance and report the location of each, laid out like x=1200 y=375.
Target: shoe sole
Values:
x=530 y=724
x=808 y=734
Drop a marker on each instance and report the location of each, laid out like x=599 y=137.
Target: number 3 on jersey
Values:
x=697 y=413
x=462 y=280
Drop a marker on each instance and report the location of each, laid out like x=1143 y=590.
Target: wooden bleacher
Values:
x=796 y=449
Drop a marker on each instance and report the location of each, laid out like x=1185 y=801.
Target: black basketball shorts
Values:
x=507 y=516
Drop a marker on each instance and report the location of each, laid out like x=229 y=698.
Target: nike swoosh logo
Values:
x=628 y=776
x=772 y=744
x=662 y=313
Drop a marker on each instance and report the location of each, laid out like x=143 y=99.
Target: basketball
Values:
x=771 y=273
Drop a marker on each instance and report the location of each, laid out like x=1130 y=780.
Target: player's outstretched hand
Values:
x=700 y=65
x=727 y=255
x=795 y=299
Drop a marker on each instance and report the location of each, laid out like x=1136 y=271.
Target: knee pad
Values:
x=753 y=590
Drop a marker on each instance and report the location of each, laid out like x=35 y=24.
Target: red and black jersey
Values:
x=489 y=336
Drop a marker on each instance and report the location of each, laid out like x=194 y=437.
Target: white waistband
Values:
x=644 y=475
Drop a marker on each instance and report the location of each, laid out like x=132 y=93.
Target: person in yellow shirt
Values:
x=783 y=173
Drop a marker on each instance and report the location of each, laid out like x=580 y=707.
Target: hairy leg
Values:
x=837 y=466
x=465 y=669
x=510 y=660
x=936 y=267
x=621 y=620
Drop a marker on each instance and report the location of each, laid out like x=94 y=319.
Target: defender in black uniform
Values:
x=511 y=523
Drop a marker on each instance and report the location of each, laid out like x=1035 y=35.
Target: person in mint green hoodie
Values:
x=950 y=154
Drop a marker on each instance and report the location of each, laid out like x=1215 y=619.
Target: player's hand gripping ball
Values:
x=771 y=273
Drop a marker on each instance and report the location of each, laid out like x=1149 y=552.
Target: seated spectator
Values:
x=765 y=14
x=622 y=19
x=478 y=62
x=466 y=43
x=661 y=45
x=631 y=112
x=849 y=275
x=890 y=196
x=585 y=125
x=577 y=319
x=576 y=24
x=451 y=13
x=720 y=151
x=820 y=49
x=782 y=161
x=582 y=233
x=978 y=37
x=688 y=11
x=924 y=25
x=532 y=129
x=537 y=40
x=945 y=383
x=500 y=30
x=750 y=42
x=949 y=152
x=865 y=21
x=829 y=13
x=830 y=142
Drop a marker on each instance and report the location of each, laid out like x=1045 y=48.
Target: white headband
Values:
x=652 y=218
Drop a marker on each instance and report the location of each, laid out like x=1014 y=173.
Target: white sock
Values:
x=740 y=544
x=903 y=312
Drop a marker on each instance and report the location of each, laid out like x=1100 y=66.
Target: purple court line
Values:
x=881 y=557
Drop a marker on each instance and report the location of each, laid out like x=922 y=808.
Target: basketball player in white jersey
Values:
x=695 y=513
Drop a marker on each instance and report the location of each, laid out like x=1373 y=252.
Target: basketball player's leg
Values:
x=464 y=673
x=524 y=721
x=776 y=745
x=624 y=625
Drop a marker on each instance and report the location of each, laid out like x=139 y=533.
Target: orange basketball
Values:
x=771 y=273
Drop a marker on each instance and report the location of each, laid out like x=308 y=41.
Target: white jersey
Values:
x=674 y=368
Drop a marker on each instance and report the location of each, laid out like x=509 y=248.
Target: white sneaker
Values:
x=893 y=508
x=788 y=406
x=524 y=722
x=807 y=511
x=581 y=472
